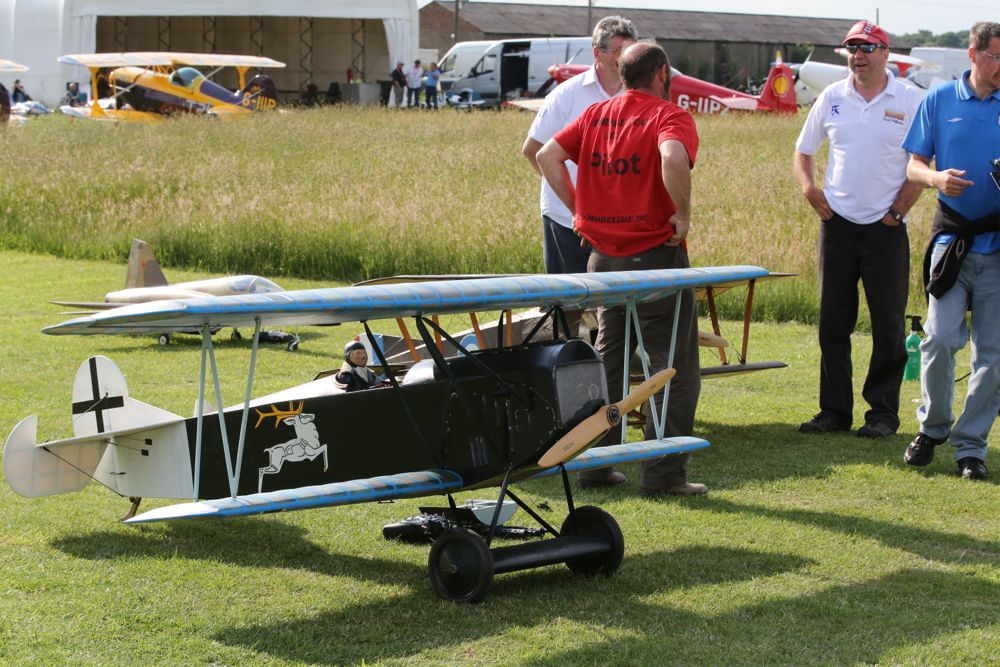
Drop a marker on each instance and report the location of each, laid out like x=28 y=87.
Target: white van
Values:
x=514 y=68
x=459 y=60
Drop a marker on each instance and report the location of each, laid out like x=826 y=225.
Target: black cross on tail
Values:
x=97 y=404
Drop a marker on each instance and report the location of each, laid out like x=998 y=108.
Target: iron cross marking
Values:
x=97 y=404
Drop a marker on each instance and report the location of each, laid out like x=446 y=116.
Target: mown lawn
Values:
x=807 y=550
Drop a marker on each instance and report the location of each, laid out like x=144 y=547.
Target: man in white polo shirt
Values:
x=861 y=207
x=560 y=245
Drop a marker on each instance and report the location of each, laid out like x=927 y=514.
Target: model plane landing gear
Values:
x=164 y=339
x=590 y=521
x=461 y=566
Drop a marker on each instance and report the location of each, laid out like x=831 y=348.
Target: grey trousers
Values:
x=657 y=320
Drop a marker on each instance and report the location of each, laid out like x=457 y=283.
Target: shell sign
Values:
x=780 y=85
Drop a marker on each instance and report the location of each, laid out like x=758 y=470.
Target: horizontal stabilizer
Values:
x=33 y=471
x=388 y=487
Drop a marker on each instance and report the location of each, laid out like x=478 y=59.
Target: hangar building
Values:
x=318 y=40
x=721 y=47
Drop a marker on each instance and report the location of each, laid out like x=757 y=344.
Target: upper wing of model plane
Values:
x=166 y=58
x=11 y=66
x=374 y=302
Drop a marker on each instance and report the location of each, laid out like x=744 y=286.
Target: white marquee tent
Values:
x=319 y=40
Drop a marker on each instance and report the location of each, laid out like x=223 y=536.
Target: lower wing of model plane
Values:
x=404 y=485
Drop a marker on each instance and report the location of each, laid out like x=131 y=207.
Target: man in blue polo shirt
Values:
x=958 y=127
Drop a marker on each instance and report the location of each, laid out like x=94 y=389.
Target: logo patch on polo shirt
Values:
x=894 y=116
x=956 y=119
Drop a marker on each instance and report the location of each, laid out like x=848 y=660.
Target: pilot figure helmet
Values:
x=351 y=347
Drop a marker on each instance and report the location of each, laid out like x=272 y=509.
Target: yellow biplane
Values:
x=148 y=86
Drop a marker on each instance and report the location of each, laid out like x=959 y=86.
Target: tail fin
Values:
x=779 y=91
x=260 y=94
x=143 y=269
x=101 y=402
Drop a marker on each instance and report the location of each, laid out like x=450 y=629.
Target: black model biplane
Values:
x=478 y=419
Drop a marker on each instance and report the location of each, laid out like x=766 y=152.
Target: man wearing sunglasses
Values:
x=862 y=237
x=958 y=127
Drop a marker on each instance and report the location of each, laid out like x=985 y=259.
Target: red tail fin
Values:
x=779 y=91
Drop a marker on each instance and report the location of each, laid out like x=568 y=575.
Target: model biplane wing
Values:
x=11 y=66
x=374 y=302
x=166 y=59
x=403 y=485
x=481 y=418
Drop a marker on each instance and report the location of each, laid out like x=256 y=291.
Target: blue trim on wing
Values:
x=373 y=302
x=388 y=487
x=630 y=452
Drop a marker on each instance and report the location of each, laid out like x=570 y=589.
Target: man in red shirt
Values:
x=632 y=204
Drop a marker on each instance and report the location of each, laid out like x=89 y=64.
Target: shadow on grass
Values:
x=247 y=543
x=524 y=599
x=929 y=544
x=771 y=452
x=853 y=623
x=185 y=342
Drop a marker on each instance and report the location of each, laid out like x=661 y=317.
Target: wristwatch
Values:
x=897 y=216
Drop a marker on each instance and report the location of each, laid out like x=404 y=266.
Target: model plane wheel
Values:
x=461 y=566
x=236 y=335
x=590 y=521
x=293 y=344
x=164 y=339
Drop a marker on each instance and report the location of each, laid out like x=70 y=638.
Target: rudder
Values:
x=779 y=91
x=143 y=269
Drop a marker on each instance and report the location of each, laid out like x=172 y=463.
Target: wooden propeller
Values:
x=706 y=339
x=592 y=428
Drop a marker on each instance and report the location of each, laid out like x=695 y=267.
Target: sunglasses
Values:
x=864 y=48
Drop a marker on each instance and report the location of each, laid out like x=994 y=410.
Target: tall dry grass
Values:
x=351 y=193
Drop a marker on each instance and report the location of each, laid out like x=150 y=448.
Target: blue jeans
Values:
x=431 y=97
x=561 y=249
x=977 y=289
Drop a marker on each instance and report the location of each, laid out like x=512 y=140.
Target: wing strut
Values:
x=632 y=317
x=208 y=351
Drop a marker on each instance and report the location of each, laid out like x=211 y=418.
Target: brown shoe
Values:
x=688 y=489
x=612 y=478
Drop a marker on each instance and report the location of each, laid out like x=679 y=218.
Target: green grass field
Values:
x=807 y=550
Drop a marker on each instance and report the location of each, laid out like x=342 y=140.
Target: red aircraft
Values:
x=699 y=96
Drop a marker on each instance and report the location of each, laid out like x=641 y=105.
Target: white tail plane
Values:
x=148 y=453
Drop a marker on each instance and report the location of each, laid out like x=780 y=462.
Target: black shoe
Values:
x=875 y=429
x=614 y=478
x=970 y=468
x=921 y=450
x=824 y=422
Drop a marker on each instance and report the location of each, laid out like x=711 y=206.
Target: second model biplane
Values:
x=478 y=419
x=147 y=86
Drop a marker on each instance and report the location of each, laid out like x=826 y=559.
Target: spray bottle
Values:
x=912 y=371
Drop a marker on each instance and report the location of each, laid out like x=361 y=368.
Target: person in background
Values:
x=636 y=216
x=414 y=80
x=861 y=209
x=958 y=127
x=73 y=96
x=19 y=94
x=561 y=249
x=399 y=84
x=431 y=88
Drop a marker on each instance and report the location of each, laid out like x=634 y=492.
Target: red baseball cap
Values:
x=867 y=31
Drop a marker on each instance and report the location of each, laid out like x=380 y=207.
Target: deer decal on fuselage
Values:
x=305 y=446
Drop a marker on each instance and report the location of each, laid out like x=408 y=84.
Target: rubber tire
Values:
x=236 y=335
x=163 y=339
x=590 y=521
x=460 y=566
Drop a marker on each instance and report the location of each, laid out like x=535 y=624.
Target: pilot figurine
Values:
x=354 y=374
